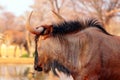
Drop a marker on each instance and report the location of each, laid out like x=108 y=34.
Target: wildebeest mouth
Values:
x=51 y=66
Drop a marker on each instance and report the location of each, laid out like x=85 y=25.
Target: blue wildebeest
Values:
x=16 y=38
x=82 y=48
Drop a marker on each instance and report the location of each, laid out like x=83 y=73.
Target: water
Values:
x=16 y=72
x=22 y=72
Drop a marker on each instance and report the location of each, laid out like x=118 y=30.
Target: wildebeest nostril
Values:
x=37 y=68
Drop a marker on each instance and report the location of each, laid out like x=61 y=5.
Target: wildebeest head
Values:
x=47 y=54
x=60 y=45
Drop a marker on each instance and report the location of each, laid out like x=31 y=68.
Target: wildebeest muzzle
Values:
x=37 y=68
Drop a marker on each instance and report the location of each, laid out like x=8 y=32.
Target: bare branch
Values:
x=112 y=12
x=56 y=4
x=52 y=5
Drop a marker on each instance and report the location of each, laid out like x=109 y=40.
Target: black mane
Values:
x=75 y=26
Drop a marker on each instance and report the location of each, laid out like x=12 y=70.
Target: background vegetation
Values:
x=107 y=11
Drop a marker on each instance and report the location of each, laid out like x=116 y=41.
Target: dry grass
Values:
x=9 y=51
x=16 y=60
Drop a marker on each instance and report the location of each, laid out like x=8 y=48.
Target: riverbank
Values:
x=16 y=60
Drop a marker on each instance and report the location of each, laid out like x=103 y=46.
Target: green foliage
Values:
x=25 y=56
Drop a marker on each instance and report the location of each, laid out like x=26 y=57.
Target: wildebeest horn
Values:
x=33 y=30
x=58 y=17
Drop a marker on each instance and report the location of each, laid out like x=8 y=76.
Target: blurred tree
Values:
x=1 y=18
x=56 y=5
x=2 y=24
x=8 y=19
x=43 y=10
x=20 y=23
x=105 y=10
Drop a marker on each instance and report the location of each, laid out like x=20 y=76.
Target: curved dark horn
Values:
x=33 y=30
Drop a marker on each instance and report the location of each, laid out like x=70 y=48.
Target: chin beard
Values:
x=55 y=65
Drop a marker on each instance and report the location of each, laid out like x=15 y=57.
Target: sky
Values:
x=17 y=7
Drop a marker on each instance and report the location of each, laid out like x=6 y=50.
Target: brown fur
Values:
x=89 y=54
x=84 y=50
